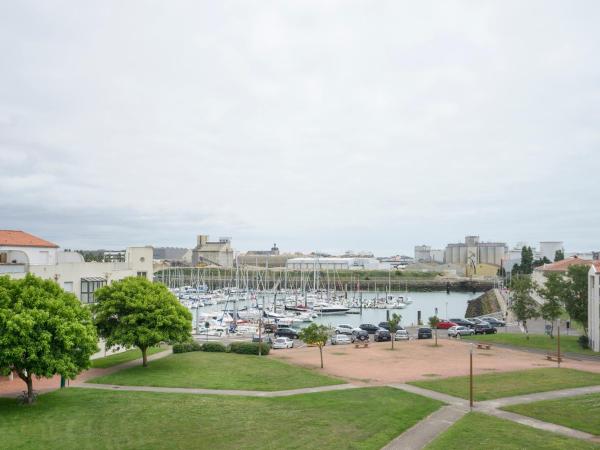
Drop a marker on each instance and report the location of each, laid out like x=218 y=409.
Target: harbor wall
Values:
x=486 y=304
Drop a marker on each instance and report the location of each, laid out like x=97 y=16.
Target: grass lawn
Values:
x=477 y=431
x=119 y=358
x=507 y=384
x=581 y=412
x=219 y=371
x=76 y=418
x=537 y=341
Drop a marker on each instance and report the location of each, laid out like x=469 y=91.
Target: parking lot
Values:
x=417 y=360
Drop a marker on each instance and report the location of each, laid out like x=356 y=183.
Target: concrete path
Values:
x=432 y=426
x=171 y=390
x=427 y=429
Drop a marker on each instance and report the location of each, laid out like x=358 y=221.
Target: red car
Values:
x=445 y=324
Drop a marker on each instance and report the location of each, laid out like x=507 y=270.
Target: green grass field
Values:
x=508 y=384
x=537 y=341
x=119 y=358
x=74 y=418
x=477 y=431
x=581 y=412
x=219 y=371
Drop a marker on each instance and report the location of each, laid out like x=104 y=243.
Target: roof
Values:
x=563 y=265
x=17 y=238
x=596 y=265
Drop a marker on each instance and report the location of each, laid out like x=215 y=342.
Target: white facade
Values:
x=548 y=249
x=594 y=306
x=319 y=263
x=79 y=277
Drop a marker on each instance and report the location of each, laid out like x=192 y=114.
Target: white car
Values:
x=402 y=335
x=458 y=330
x=340 y=339
x=283 y=342
x=344 y=329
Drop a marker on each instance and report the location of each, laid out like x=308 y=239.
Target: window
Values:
x=89 y=286
x=68 y=286
x=142 y=274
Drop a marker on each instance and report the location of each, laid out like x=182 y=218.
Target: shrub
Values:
x=249 y=348
x=213 y=347
x=184 y=347
x=584 y=342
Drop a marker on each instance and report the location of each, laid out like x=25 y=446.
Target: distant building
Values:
x=22 y=253
x=332 y=263
x=548 y=249
x=474 y=252
x=170 y=253
x=422 y=253
x=594 y=306
x=274 y=251
x=114 y=256
x=217 y=253
x=539 y=273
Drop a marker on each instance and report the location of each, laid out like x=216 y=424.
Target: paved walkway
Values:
x=432 y=426
x=170 y=390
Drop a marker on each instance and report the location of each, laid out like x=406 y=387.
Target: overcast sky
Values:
x=319 y=125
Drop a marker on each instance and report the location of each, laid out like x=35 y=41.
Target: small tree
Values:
x=137 y=312
x=433 y=323
x=393 y=323
x=44 y=331
x=315 y=335
x=552 y=292
x=576 y=294
x=522 y=304
x=559 y=255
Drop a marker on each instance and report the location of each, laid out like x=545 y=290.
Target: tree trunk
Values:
x=526 y=330
x=144 y=356
x=435 y=331
x=29 y=382
x=321 y=351
x=393 y=337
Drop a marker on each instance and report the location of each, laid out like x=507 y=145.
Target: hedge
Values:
x=249 y=348
x=184 y=347
x=213 y=347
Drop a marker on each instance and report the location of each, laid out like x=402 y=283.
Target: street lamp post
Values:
x=471 y=376
x=558 y=342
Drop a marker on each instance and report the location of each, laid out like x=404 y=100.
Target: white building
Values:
x=594 y=306
x=22 y=253
x=474 y=252
x=548 y=249
x=332 y=263
x=217 y=253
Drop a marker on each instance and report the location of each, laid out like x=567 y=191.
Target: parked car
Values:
x=270 y=327
x=360 y=336
x=286 y=332
x=463 y=322
x=382 y=335
x=344 y=329
x=384 y=325
x=262 y=338
x=368 y=327
x=459 y=330
x=445 y=324
x=485 y=329
x=494 y=322
x=283 y=342
x=338 y=339
x=477 y=321
x=401 y=335
x=424 y=333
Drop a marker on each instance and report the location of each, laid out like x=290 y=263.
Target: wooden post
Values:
x=471 y=377
x=558 y=342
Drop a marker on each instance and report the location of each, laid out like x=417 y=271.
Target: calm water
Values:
x=429 y=303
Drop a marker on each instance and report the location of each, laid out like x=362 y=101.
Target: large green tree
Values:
x=526 y=266
x=522 y=303
x=552 y=292
x=44 y=331
x=575 y=294
x=315 y=335
x=137 y=312
x=559 y=255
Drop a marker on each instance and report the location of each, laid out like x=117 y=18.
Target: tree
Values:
x=44 y=331
x=541 y=261
x=137 y=312
x=526 y=266
x=315 y=335
x=552 y=292
x=393 y=323
x=433 y=323
x=559 y=255
x=576 y=294
x=522 y=303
